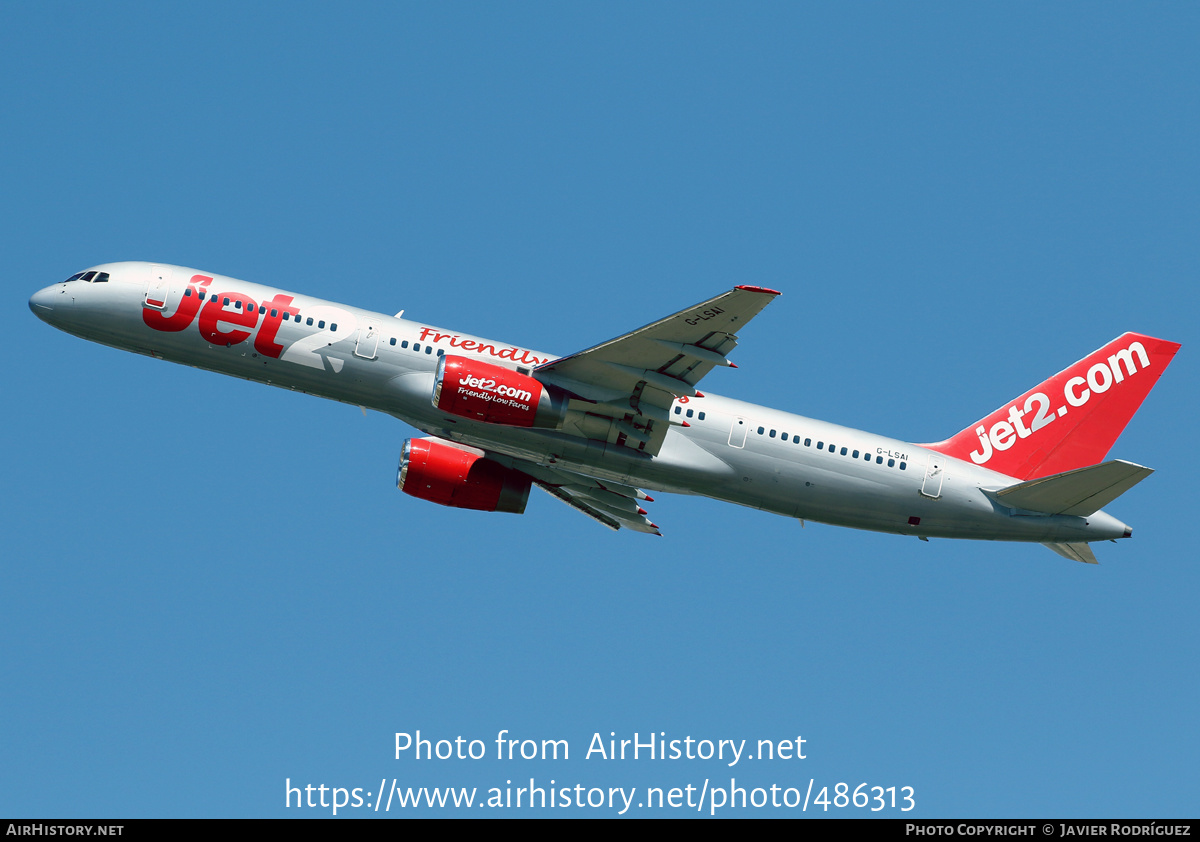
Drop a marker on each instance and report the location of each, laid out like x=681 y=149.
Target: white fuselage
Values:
x=739 y=452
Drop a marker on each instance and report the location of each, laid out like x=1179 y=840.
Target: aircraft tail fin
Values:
x=1071 y=420
x=1081 y=492
x=1076 y=552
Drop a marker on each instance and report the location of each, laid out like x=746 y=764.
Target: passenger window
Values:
x=333 y=327
x=678 y=410
x=689 y=413
x=275 y=314
x=200 y=295
x=428 y=348
x=902 y=466
x=309 y=322
x=854 y=455
x=237 y=305
x=440 y=352
x=321 y=324
x=404 y=344
x=226 y=304
x=808 y=442
x=843 y=451
x=761 y=430
x=867 y=456
x=784 y=437
x=878 y=460
x=392 y=341
x=701 y=416
x=188 y=292
x=820 y=445
x=891 y=463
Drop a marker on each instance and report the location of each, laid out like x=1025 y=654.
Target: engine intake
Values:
x=462 y=479
x=493 y=394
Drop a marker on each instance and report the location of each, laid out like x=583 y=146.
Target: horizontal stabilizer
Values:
x=1075 y=552
x=1080 y=492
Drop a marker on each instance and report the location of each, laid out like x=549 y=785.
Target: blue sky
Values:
x=213 y=586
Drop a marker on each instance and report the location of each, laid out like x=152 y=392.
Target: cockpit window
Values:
x=91 y=277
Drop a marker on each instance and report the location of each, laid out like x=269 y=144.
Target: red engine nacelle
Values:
x=462 y=479
x=494 y=394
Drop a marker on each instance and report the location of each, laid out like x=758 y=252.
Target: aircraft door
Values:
x=161 y=289
x=368 y=341
x=737 y=433
x=935 y=472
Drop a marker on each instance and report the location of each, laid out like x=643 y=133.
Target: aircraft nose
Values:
x=42 y=302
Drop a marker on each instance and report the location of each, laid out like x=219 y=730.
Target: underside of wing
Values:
x=625 y=387
x=611 y=510
x=609 y=503
x=1076 y=552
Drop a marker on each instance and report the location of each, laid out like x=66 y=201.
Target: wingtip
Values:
x=758 y=289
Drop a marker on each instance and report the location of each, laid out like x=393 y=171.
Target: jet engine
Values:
x=462 y=479
x=494 y=394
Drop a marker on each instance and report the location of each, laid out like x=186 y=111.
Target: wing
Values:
x=609 y=503
x=631 y=381
x=1076 y=552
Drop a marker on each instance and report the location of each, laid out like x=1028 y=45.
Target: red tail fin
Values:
x=1072 y=419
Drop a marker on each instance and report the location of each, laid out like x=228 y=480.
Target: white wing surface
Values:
x=635 y=378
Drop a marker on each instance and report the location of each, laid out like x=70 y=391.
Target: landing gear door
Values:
x=159 y=287
x=368 y=341
x=737 y=433
x=935 y=472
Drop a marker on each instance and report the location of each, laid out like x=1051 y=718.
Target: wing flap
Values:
x=1079 y=551
x=609 y=503
x=601 y=518
x=607 y=512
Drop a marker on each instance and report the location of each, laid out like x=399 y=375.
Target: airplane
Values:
x=597 y=427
